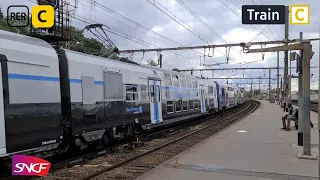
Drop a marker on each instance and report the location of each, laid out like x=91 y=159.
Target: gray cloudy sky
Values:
x=147 y=24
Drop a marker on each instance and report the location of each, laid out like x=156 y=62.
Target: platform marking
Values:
x=234 y=172
x=241 y=131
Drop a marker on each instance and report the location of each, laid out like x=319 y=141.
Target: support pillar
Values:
x=269 y=85
x=307 y=53
x=300 y=99
x=278 y=76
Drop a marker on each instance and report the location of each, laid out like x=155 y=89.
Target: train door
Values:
x=202 y=99
x=155 y=101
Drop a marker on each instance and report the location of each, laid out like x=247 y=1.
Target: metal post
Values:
x=306 y=98
x=278 y=76
x=160 y=60
x=286 y=35
x=289 y=84
x=319 y=105
x=281 y=99
x=300 y=101
x=252 y=91
x=269 y=85
x=259 y=89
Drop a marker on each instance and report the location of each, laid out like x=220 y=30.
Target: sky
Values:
x=142 y=24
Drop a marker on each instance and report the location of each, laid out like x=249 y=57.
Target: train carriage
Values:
x=55 y=99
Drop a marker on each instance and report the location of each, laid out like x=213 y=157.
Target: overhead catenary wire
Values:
x=240 y=16
x=181 y=23
x=204 y=23
x=83 y=19
x=272 y=27
x=138 y=26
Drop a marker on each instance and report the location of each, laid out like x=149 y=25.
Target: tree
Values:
x=1 y=14
x=151 y=62
x=78 y=41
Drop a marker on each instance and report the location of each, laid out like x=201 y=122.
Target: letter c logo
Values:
x=39 y=16
x=297 y=14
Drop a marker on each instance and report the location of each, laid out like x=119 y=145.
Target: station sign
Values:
x=275 y=14
x=263 y=14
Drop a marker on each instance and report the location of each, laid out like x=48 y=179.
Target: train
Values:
x=55 y=99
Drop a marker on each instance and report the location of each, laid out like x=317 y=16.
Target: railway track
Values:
x=66 y=161
x=313 y=105
x=131 y=165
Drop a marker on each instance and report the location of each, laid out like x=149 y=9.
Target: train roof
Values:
x=23 y=39
x=36 y=45
x=22 y=48
x=100 y=60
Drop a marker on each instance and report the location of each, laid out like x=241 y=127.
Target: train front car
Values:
x=30 y=105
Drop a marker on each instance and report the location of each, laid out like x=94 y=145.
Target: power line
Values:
x=251 y=25
x=271 y=26
x=137 y=24
x=175 y=18
x=205 y=24
x=81 y=18
x=181 y=23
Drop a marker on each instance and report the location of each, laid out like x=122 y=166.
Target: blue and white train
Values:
x=56 y=99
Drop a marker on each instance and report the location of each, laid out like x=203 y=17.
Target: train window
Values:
x=189 y=83
x=152 y=93
x=176 y=81
x=143 y=93
x=113 y=87
x=178 y=105
x=194 y=83
x=183 y=82
x=131 y=92
x=167 y=80
x=196 y=104
x=185 y=105
x=191 y=104
x=210 y=90
x=170 y=107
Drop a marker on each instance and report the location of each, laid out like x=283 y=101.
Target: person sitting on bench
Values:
x=292 y=115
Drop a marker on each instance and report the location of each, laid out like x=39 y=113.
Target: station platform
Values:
x=253 y=148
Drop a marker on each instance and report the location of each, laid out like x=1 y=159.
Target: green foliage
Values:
x=1 y=14
x=78 y=41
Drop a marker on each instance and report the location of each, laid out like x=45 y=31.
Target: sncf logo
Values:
x=23 y=165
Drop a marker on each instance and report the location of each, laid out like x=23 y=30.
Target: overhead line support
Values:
x=244 y=45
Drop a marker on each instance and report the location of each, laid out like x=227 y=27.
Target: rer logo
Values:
x=42 y=16
x=23 y=165
x=300 y=14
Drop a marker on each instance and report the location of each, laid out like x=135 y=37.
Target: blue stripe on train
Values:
x=56 y=79
x=44 y=78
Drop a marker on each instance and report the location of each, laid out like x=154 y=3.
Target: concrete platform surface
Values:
x=263 y=152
